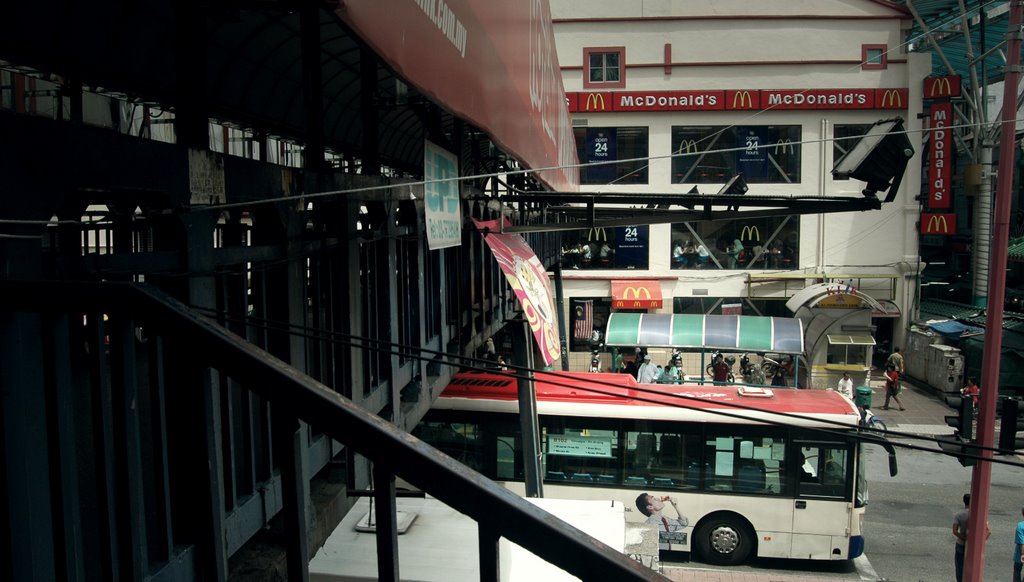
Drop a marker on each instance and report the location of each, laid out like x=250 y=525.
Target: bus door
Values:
x=822 y=504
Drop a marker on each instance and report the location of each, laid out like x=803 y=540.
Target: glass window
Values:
x=824 y=470
x=665 y=460
x=621 y=247
x=580 y=454
x=741 y=462
x=585 y=337
x=603 y=146
x=604 y=68
x=461 y=441
x=873 y=56
x=756 y=243
x=764 y=154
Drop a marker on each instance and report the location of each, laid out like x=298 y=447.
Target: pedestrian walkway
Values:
x=925 y=411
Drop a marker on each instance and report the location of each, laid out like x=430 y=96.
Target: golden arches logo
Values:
x=891 y=99
x=937 y=224
x=939 y=87
x=598 y=233
x=750 y=232
x=636 y=293
x=783 y=146
x=742 y=100
x=595 y=102
x=687 y=146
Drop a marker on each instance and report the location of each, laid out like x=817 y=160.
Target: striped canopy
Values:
x=744 y=333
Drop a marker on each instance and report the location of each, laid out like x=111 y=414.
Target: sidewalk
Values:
x=925 y=411
x=680 y=575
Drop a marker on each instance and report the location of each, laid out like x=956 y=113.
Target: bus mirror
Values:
x=892 y=463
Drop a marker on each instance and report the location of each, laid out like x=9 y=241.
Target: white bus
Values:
x=745 y=480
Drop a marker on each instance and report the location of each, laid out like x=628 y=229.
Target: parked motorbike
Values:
x=595 y=359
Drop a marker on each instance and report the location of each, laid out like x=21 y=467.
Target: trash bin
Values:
x=862 y=397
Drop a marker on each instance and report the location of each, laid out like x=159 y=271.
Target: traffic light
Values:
x=1009 y=423
x=963 y=422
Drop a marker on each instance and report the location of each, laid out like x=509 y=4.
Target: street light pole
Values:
x=981 y=479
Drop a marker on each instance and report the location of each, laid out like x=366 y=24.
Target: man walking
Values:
x=960 y=531
x=896 y=359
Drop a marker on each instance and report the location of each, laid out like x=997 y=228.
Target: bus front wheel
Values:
x=724 y=540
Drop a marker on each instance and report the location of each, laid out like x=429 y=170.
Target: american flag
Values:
x=583 y=318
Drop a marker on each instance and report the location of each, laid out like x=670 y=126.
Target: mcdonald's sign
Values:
x=598 y=233
x=744 y=99
x=891 y=98
x=783 y=146
x=938 y=224
x=688 y=146
x=636 y=294
x=940 y=168
x=750 y=232
x=942 y=87
x=594 y=102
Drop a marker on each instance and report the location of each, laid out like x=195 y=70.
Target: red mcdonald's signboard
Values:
x=940 y=224
x=942 y=87
x=940 y=153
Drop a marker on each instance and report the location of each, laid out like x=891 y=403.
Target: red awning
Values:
x=636 y=294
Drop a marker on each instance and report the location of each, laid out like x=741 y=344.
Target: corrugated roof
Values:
x=939 y=25
x=941 y=309
x=1015 y=252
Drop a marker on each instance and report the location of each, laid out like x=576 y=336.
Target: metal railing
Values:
x=295 y=396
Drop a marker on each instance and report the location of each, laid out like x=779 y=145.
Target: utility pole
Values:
x=981 y=479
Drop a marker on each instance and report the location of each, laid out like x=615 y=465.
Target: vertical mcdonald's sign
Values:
x=942 y=87
x=940 y=224
x=941 y=156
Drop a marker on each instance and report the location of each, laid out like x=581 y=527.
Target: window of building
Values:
x=603 y=146
x=764 y=154
x=759 y=243
x=604 y=67
x=850 y=350
x=844 y=137
x=620 y=247
x=587 y=325
x=873 y=56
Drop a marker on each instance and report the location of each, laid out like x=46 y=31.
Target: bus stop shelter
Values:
x=693 y=332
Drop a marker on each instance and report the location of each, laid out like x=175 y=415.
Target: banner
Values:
x=583 y=319
x=493 y=64
x=753 y=158
x=940 y=145
x=442 y=207
x=601 y=148
x=631 y=246
x=529 y=281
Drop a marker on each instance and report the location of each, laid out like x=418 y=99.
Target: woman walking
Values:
x=892 y=387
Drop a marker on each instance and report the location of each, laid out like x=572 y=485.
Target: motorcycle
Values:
x=871 y=420
x=595 y=360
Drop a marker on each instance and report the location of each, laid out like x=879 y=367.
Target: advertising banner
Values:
x=601 y=148
x=442 y=208
x=491 y=63
x=631 y=246
x=739 y=100
x=753 y=158
x=940 y=143
x=529 y=281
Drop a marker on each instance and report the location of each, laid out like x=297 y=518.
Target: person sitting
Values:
x=678 y=259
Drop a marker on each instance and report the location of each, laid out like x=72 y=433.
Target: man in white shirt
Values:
x=845 y=386
x=648 y=373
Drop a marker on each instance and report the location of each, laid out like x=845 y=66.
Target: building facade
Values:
x=671 y=97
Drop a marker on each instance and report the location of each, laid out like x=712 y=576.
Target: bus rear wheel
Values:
x=724 y=540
